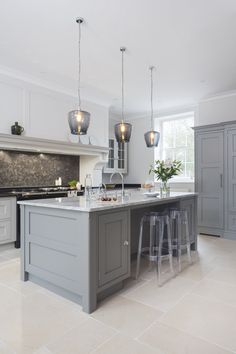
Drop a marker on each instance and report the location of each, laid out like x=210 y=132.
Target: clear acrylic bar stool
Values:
x=180 y=234
x=153 y=249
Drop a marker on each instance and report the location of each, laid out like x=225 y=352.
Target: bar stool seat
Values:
x=153 y=251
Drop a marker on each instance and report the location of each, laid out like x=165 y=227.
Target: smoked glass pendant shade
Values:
x=123 y=132
x=79 y=122
x=152 y=138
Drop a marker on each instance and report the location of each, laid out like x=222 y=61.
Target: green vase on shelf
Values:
x=16 y=129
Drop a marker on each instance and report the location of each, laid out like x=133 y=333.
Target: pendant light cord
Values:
x=79 y=21
x=122 y=49
x=151 y=70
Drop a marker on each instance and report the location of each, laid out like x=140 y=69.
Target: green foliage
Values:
x=72 y=183
x=164 y=170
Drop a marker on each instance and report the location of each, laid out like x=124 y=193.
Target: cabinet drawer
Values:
x=5 y=208
x=6 y=231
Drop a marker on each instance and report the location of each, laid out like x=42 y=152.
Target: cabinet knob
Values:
x=126 y=243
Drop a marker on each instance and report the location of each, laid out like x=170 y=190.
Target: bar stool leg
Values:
x=151 y=241
x=179 y=250
x=188 y=243
x=160 y=243
x=170 y=247
x=139 y=249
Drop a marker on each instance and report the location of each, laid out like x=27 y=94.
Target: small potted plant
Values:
x=165 y=170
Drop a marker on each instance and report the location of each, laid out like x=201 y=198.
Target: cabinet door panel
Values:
x=5 y=208
x=5 y=231
x=114 y=248
x=231 y=180
x=209 y=179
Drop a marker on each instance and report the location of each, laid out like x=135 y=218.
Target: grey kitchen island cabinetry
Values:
x=113 y=246
x=82 y=250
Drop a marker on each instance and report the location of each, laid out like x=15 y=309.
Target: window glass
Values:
x=177 y=142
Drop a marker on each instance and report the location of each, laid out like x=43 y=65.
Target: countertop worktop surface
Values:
x=81 y=204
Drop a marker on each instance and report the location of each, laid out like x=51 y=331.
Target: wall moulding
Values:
x=23 y=143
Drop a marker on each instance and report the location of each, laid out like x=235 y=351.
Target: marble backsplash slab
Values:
x=35 y=169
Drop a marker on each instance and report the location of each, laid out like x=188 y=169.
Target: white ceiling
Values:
x=191 y=42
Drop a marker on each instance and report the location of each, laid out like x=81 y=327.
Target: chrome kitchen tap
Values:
x=122 y=181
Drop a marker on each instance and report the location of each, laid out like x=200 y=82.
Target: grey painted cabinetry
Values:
x=215 y=173
x=86 y=255
x=114 y=247
x=7 y=220
x=230 y=183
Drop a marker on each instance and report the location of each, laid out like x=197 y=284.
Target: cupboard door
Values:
x=5 y=208
x=231 y=181
x=114 y=248
x=6 y=234
x=209 y=179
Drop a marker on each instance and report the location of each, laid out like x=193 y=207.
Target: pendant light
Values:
x=122 y=129
x=79 y=120
x=152 y=137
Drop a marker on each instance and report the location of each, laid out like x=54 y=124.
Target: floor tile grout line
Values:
x=144 y=304
x=54 y=340
x=214 y=300
x=104 y=342
x=195 y=336
x=137 y=287
x=221 y=282
x=159 y=309
x=104 y=324
x=150 y=346
x=146 y=329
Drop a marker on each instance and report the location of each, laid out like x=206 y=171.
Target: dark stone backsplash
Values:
x=33 y=169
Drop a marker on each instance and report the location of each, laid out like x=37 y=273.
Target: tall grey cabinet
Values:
x=215 y=178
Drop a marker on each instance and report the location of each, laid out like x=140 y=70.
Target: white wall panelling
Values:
x=43 y=112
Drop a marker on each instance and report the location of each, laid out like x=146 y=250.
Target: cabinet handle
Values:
x=221 y=180
x=126 y=243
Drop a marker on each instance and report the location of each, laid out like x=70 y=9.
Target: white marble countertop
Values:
x=81 y=204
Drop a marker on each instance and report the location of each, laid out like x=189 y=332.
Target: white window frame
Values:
x=158 y=153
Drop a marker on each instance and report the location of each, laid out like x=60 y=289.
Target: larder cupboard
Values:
x=215 y=178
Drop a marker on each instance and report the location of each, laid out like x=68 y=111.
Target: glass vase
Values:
x=165 y=189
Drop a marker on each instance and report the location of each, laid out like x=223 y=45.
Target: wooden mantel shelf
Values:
x=25 y=143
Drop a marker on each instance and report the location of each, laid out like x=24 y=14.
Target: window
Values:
x=177 y=143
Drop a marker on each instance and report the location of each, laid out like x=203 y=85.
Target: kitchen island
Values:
x=82 y=249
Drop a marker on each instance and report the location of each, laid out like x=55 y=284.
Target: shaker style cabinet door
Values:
x=210 y=179
x=114 y=247
x=7 y=220
x=231 y=181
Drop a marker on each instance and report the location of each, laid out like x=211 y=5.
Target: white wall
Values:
x=217 y=109
x=139 y=156
x=43 y=112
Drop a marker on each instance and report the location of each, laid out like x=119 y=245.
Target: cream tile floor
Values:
x=194 y=313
